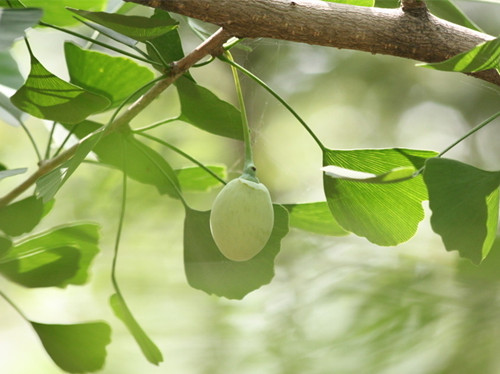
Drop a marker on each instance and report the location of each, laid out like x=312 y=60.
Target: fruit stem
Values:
x=249 y=166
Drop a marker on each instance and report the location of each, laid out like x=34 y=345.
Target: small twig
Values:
x=211 y=46
x=416 y=8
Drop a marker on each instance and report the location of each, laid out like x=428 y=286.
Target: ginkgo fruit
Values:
x=242 y=219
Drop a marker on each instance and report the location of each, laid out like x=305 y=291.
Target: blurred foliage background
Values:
x=336 y=305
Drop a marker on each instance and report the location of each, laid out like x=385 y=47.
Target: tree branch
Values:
x=211 y=46
x=410 y=32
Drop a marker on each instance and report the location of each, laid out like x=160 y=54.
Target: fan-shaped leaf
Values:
x=208 y=270
x=198 y=179
x=482 y=57
x=142 y=163
x=9 y=173
x=55 y=11
x=78 y=348
x=464 y=204
x=55 y=258
x=314 y=217
x=135 y=27
x=201 y=108
x=46 y=96
x=22 y=216
x=386 y=214
x=113 y=77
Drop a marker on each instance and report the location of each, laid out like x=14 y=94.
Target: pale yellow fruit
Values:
x=242 y=219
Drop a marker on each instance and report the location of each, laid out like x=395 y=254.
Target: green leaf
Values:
x=44 y=95
x=386 y=214
x=464 y=204
x=8 y=112
x=55 y=11
x=48 y=185
x=482 y=57
x=78 y=348
x=168 y=45
x=5 y=245
x=22 y=216
x=9 y=71
x=113 y=77
x=135 y=27
x=201 y=108
x=15 y=4
x=208 y=270
x=48 y=268
x=123 y=151
x=11 y=172
x=147 y=346
x=55 y=258
x=314 y=217
x=445 y=9
x=368 y=3
x=197 y=179
x=13 y=22
x=395 y=175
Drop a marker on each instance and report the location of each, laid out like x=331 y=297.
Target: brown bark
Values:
x=409 y=32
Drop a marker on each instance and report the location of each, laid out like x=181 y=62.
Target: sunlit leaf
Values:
x=201 y=108
x=55 y=11
x=48 y=185
x=135 y=27
x=22 y=216
x=78 y=348
x=368 y=3
x=9 y=173
x=147 y=346
x=395 y=175
x=9 y=71
x=8 y=112
x=314 y=217
x=464 y=204
x=123 y=151
x=14 y=4
x=55 y=258
x=208 y=270
x=198 y=179
x=482 y=57
x=46 y=96
x=113 y=77
x=47 y=268
x=445 y=9
x=386 y=214
x=13 y=22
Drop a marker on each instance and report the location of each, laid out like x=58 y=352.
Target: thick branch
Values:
x=409 y=34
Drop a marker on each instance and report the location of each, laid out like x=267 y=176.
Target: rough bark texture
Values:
x=411 y=33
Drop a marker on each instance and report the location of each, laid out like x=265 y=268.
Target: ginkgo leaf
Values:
x=482 y=57
x=46 y=96
x=464 y=204
x=198 y=179
x=395 y=175
x=387 y=213
x=314 y=217
x=77 y=348
x=21 y=216
x=201 y=108
x=208 y=270
x=55 y=258
x=136 y=27
x=105 y=75
x=147 y=346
